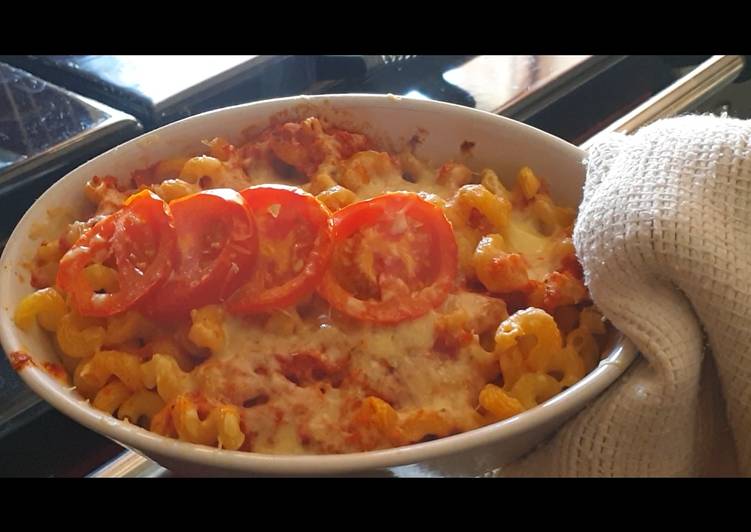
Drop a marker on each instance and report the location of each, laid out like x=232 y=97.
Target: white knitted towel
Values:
x=663 y=236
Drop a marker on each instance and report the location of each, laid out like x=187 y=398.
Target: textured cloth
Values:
x=663 y=236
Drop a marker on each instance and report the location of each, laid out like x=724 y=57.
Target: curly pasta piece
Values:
x=97 y=370
x=321 y=181
x=534 y=388
x=551 y=216
x=161 y=422
x=208 y=327
x=45 y=265
x=88 y=390
x=498 y=403
x=104 y=192
x=378 y=424
x=101 y=277
x=163 y=373
x=423 y=422
x=111 y=396
x=490 y=180
x=474 y=211
x=528 y=182
x=512 y=365
x=568 y=365
x=229 y=431
x=222 y=425
x=530 y=341
x=583 y=344
x=476 y=207
x=142 y=404
x=533 y=330
x=172 y=189
x=336 y=197
x=78 y=336
x=164 y=345
x=378 y=414
x=591 y=319
x=499 y=271
x=46 y=305
x=202 y=166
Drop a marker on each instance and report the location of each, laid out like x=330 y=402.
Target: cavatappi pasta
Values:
x=397 y=302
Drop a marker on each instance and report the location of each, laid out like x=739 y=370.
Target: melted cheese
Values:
x=523 y=237
x=394 y=362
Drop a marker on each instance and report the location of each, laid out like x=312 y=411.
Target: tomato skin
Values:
x=143 y=225
x=294 y=209
x=217 y=223
x=443 y=256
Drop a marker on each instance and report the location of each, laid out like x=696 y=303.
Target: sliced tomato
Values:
x=138 y=241
x=295 y=245
x=217 y=242
x=395 y=258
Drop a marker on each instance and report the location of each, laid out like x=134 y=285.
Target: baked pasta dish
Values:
x=305 y=290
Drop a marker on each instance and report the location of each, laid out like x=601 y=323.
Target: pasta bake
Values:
x=303 y=289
